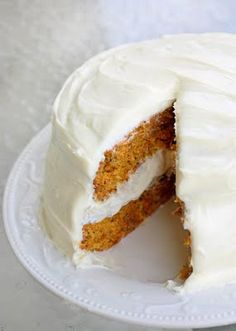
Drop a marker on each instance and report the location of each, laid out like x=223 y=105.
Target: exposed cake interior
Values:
x=142 y=142
x=118 y=165
x=106 y=233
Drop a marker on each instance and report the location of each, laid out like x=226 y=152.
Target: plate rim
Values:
x=143 y=319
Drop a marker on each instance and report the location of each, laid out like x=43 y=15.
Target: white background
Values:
x=41 y=43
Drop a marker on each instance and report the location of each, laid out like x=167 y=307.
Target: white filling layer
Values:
x=132 y=189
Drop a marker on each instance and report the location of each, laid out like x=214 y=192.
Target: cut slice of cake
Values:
x=124 y=126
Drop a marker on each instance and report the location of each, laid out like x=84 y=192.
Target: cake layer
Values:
x=122 y=160
x=104 y=234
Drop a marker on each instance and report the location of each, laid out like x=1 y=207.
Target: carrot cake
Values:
x=132 y=127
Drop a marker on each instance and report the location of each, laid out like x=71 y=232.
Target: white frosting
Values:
x=108 y=96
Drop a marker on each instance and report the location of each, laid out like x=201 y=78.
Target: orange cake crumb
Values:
x=126 y=156
x=179 y=211
x=186 y=270
x=104 y=234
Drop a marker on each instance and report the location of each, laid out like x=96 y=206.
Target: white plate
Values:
x=132 y=291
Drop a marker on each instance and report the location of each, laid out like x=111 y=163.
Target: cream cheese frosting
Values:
x=109 y=96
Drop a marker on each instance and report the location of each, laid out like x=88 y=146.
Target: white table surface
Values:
x=41 y=43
